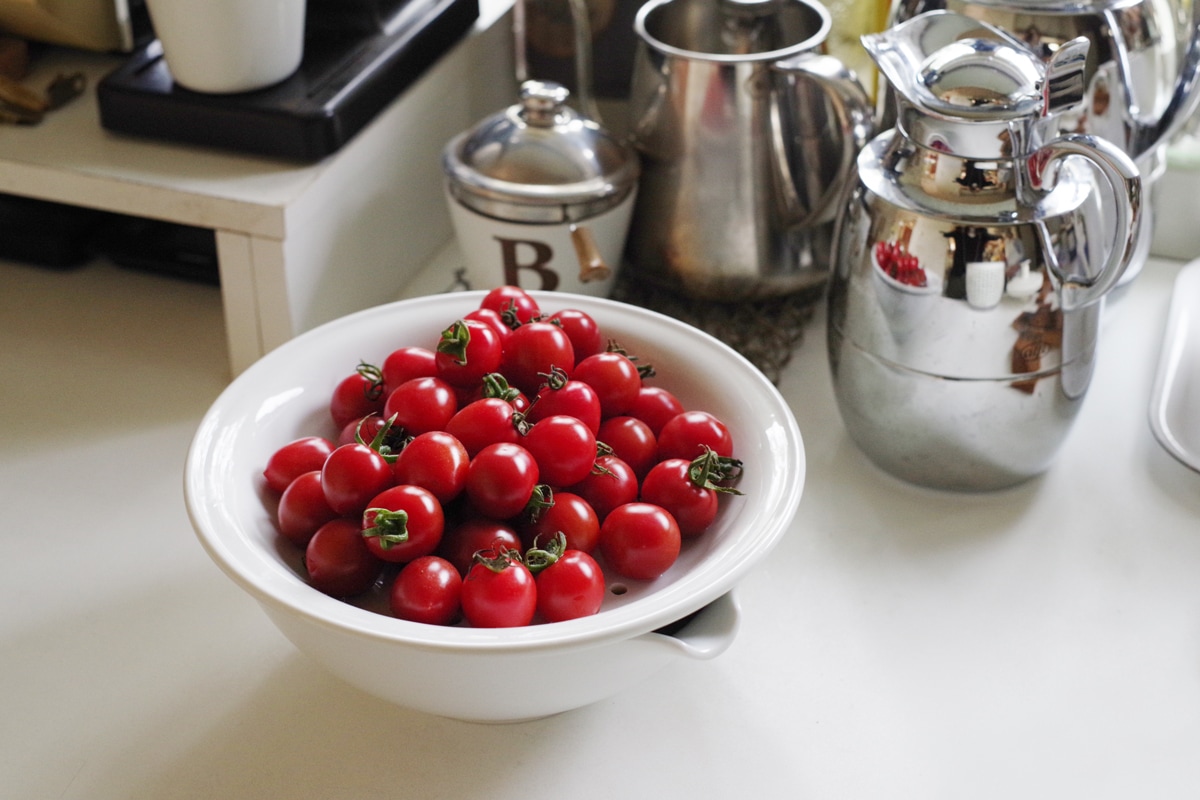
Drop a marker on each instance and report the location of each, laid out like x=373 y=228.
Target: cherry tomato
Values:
x=362 y=430
x=427 y=589
x=564 y=448
x=610 y=484
x=568 y=514
x=352 y=475
x=403 y=523
x=295 y=458
x=435 y=461
x=571 y=587
x=670 y=485
x=357 y=395
x=640 y=540
x=493 y=320
x=532 y=351
x=615 y=378
x=468 y=350
x=632 y=441
x=499 y=592
x=655 y=406
x=303 y=508
x=421 y=405
x=501 y=479
x=461 y=542
x=583 y=330
x=572 y=398
x=515 y=305
x=406 y=363
x=338 y=561
x=687 y=434
x=483 y=422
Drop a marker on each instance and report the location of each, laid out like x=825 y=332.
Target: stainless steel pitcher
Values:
x=972 y=258
x=747 y=134
x=1140 y=78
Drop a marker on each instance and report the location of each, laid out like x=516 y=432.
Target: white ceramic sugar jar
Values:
x=541 y=196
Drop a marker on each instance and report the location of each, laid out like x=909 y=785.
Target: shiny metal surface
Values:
x=1140 y=79
x=539 y=161
x=971 y=380
x=747 y=135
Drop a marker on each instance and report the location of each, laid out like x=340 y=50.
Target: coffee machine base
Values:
x=349 y=73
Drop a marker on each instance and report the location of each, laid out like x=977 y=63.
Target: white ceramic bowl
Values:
x=498 y=674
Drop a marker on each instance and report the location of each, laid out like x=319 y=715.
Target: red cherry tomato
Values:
x=687 y=434
x=572 y=398
x=362 y=430
x=655 y=406
x=493 y=320
x=501 y=479
x=515 y=305
x=610 y=484
x=564 y=448
x=468 y=350
x=427 y=589
x=615 y=378
x=569 y=588
x=532 y=352
x=499 y=592
x=357 y=395
x=295 y=458
x=483 y=422
x=403 y=523
x=583 y=330
x=406 y=363
x=338 y=561
x=421 y=405
x=570 y=515
x=670 y=485
x=461 y=542
x=435 y=461
x=632 y=441
x=303 y=508
x=640 y=540
x=352 y=475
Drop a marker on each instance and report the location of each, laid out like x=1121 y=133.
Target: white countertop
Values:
x=1040 y=642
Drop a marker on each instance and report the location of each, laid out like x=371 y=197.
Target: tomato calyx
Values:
x=538 y=558
x=644 y=370
x=373 y=390
x=388 y=526
x=541 y=499
x=496 y=385
x=498 y=560
x=711 y=471
x=389 y=440
x=454 y=341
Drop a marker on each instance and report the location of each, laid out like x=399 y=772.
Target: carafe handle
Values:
x=1125 y=186
x=853 y=110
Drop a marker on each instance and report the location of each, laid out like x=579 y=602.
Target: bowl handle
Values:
x=705 y=633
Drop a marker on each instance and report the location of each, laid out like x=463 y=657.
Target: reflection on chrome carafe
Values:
x=972 y=258
x=1139 y=82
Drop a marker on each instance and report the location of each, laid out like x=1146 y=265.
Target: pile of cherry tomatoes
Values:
x=494 y=478
x=900 y=264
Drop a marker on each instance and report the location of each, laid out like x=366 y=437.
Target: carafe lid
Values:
x=539 y=161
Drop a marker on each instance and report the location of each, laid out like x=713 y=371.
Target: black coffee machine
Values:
x=359 y=55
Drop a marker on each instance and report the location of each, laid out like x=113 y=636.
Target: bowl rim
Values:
x=258 y=572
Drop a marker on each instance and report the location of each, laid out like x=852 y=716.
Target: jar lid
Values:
x=539 y=161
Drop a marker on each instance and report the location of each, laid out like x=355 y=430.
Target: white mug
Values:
x=229 y=46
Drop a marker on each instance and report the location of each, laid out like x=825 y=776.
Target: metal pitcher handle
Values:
x=1125 y=185
x=853 y=109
